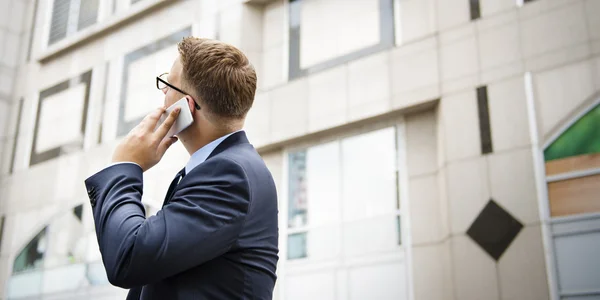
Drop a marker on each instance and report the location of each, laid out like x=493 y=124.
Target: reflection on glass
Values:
x=297 y=245
x=577 y=149
x=32 y=256
x=297 y=212
x=323 y=190
x=67 y=246
x=583 y=137
x=369 y=178
x=344 y=197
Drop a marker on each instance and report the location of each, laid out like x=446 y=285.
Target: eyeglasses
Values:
x=162 y=84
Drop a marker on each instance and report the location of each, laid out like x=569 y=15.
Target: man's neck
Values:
x=194 y=141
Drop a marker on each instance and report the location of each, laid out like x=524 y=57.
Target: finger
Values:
x=163 y=129
x=149 y=122
x=165 y=144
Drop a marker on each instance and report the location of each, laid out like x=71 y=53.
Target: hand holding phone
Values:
x=183 y=120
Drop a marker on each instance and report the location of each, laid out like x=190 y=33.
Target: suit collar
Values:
x=203 y=153
x=234 y=139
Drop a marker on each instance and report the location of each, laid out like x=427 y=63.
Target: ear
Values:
x=191 y=103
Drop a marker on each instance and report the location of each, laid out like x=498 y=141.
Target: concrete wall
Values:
x=440 y=57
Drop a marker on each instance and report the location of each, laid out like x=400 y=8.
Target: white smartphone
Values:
x=183 y=120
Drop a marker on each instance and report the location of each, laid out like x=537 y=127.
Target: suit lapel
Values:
x=232 y=140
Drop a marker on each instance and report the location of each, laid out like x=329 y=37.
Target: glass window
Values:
x=67 y=243
x=53 y=134
x=369 y=183
x=322 y=35
x=140 y=68
x=88 y=13
x=573 y=167
x=580 y=140
x=314 y=174
x=297 y=190
x=60 y=20
x=70 y=16
x=297 y=245
x=32 y=256
x=344 y=195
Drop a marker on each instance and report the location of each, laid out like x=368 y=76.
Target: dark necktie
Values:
x=173 y=185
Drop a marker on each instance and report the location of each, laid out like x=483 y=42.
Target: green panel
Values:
x=583 y=137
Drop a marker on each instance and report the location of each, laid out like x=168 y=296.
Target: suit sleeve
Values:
x=202 y=221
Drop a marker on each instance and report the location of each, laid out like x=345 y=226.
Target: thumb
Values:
x=165 y=144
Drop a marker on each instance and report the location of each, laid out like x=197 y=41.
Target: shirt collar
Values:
x=202 y=154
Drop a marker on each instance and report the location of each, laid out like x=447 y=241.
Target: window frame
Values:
x=104 y=6
x=565 y=176
x=401 y=192
x=37 y=157
x=123 y=125
x=387 y=40
x=555 y=225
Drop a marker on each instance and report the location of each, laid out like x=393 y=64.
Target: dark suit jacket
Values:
x=215 y=238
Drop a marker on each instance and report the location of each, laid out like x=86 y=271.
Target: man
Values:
x=216 y=234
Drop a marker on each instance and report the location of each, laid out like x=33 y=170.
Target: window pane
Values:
x=142 y=95
x=369 y=185
x=344 y=190
x=297 y=245
x=583 y=137
x=67 y=243
x=323 y=177
x=327 y=31
x=297 y=190
x=371 y=235
x=60 y=20
x=27 y=284
x=317 y=244
x=314 y=200
x=370 y=192
x=88 y=13
x=32 y=256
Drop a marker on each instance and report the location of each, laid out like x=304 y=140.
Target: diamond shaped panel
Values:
x=494 y=229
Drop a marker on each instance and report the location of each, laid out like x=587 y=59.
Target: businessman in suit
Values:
x=216 y=234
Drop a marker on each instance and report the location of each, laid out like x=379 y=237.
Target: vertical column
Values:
x=428 y=209
x=12 y=21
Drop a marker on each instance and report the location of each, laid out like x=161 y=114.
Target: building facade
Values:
x=422 y=149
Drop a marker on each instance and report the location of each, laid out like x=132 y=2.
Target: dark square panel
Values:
x=494 y=229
